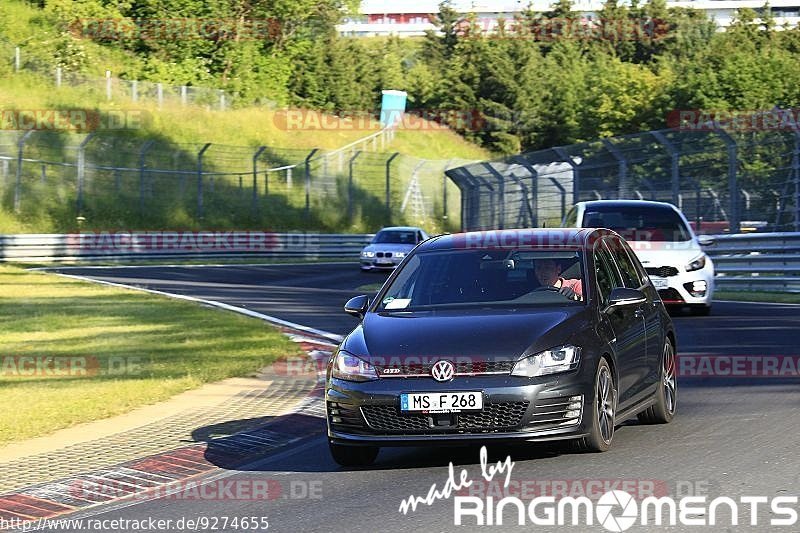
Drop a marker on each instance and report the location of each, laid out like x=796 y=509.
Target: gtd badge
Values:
x=443 y=371
x=391 y=370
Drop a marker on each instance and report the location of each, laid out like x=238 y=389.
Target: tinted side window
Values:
x=630 y=276
x=644 y=279
x=607 y=277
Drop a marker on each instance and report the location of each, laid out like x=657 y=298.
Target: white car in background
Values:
x=390 y=246
x=664 y=242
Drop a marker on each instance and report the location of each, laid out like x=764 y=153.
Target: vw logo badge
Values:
x=443 y=371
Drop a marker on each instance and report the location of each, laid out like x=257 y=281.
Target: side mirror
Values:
x=623 y=297
x=357 y=306
x=706 y=240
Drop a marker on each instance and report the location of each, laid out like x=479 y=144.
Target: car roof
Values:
x=572 y=238
x=402 y=228
x=626 y=203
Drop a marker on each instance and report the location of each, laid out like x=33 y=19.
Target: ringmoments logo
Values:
x=605 y=509
x=615 y=510
x=618 y=510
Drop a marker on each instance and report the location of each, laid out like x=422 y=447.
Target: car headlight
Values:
x=696 y=264
x=350 y=368
x=552 y=361
x=400 y=254
x=367 y=254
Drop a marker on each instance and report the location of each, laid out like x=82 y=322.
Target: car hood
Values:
x=389 y=247
x=655 y=254
x=490 y=335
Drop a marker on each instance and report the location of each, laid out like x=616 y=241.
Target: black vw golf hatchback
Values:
x=531 y=335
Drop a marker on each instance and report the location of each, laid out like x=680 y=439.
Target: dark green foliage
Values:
x=539 y=80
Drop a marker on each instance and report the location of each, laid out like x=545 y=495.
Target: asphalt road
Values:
x=732 y=437
x=308 y=294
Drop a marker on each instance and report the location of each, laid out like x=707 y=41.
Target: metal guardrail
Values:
x=750 y=262
x=148 y=246
x=757 y=262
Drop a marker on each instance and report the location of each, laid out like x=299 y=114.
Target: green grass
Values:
x=174 y=346
x=48 y=205
x=746 y=296
x=112 y=201
x=371 y=287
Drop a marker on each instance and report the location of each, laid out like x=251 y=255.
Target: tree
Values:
x=439 y=49
x=564 y=95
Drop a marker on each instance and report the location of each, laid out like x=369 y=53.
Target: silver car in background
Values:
x=390 y=246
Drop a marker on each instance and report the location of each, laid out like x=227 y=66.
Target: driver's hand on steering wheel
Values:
x=570 y=293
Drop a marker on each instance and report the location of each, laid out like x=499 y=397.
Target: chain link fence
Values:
x=722 y=179
x=57 y=181
x=114 y=89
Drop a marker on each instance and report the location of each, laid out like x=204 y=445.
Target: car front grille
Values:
x=463 y=368
x=383 y=254
x=552 y=413
x=662 y=271
x=494 y=417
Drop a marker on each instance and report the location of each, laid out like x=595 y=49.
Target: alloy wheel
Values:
x=605 y=404
x=669 y=378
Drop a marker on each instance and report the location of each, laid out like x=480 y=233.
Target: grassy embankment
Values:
x=112 y=201
x=137 y=349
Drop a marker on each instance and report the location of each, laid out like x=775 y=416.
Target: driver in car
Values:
x=548 y=273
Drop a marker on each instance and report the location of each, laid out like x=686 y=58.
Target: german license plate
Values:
x=441 y=402
x=660 y=283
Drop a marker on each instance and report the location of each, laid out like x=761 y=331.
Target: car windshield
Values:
x=639 y=223
x=395 y=237
x=485 y=278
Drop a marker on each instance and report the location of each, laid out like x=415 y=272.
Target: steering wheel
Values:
x=547 y=288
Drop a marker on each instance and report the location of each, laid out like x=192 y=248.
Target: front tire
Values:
x=353 y=455
x=663 y=411
x=602 y=409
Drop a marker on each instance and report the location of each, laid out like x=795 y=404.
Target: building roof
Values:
x=379 y=7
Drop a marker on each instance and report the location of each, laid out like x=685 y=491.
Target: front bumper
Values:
x=515 y=408
x=679 y=288
x=385 y=264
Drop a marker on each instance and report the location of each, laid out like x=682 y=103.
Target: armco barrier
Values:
x=146 y=246
x=756 y=261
